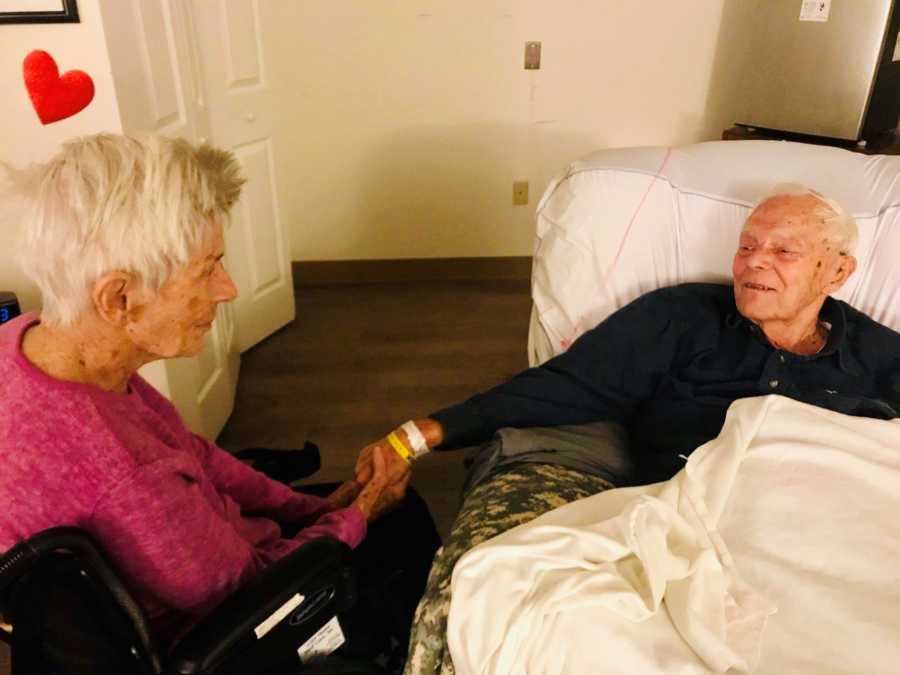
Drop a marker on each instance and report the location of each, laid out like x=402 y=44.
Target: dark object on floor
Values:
x=286 y=466
x=71 y=614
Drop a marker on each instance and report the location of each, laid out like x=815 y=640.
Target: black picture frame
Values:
x=68 y=14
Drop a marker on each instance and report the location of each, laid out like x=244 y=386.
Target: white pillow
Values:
x=623 y=222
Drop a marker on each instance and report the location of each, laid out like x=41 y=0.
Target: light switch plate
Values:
x=532 y=56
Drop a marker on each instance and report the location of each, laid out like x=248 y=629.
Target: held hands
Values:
x=382 y=477
x=385 y=465
x=425 y=434
x=343 y=496
x=378 y=494
x=396 y=467
x=391 y=496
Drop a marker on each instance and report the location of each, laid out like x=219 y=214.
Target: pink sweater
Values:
x=184 y=522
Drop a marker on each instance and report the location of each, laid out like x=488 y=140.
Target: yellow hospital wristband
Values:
x=397 y=444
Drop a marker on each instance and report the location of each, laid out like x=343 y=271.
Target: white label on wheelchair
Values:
x=328 y=638
x=276 y=616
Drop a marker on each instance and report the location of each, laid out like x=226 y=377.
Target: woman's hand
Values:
x=369 y=501
x=351 y=492
x=343 y=496
x=392 y=495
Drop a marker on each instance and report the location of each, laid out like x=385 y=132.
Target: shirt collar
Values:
x=833 y=313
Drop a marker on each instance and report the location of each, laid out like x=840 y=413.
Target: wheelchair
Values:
x=68 y=612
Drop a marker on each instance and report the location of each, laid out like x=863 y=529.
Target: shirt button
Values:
x=773 y=384
x=781 y=357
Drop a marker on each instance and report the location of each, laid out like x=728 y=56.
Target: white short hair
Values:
x=840 y=226
x=109 y=202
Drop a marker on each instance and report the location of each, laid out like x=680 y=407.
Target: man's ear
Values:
x=114 y=295
x=846 y=265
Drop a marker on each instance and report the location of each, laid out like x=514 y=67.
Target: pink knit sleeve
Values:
x=254 y=491
x=167 y=537
x=348 y=525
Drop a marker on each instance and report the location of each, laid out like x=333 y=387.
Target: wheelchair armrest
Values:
x=319 y=572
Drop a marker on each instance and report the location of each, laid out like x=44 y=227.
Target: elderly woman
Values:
x=124 y=238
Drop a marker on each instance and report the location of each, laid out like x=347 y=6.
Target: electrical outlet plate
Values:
x=520 y=193
x=532 y=56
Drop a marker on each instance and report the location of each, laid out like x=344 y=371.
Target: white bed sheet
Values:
x=791 y=508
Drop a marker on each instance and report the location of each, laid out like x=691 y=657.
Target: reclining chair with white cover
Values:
x=623 y=222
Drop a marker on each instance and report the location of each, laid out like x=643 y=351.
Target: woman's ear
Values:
x=114 y=295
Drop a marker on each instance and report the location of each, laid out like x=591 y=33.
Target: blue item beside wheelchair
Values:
x=9 y=306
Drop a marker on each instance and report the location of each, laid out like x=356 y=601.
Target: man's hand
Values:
x=395 y=466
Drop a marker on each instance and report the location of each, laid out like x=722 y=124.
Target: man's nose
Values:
x=759 y=258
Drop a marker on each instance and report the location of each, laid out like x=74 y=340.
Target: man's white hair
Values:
x=840 y=227
x=117 y=203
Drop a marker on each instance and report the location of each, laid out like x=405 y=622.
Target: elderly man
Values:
x=668 y=365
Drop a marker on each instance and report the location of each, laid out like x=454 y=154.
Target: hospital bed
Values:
x=620 y=223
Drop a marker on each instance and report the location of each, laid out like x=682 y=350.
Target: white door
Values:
x=157 y=89
x=240 y=107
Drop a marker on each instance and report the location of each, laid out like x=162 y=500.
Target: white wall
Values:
x=403 y=124
x=23 y=139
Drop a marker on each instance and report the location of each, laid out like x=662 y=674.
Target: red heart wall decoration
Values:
x=55 y=97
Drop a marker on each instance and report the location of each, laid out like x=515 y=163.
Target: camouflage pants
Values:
x=509 y=497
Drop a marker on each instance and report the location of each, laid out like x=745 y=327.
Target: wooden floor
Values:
x=361 y=359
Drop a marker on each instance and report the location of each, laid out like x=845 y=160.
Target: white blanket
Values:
x=775 y=550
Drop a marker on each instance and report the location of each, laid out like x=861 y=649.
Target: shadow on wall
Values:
x=446 y=191
x=733 y=55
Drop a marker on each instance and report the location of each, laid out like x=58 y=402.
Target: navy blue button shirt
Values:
x=668 y=365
